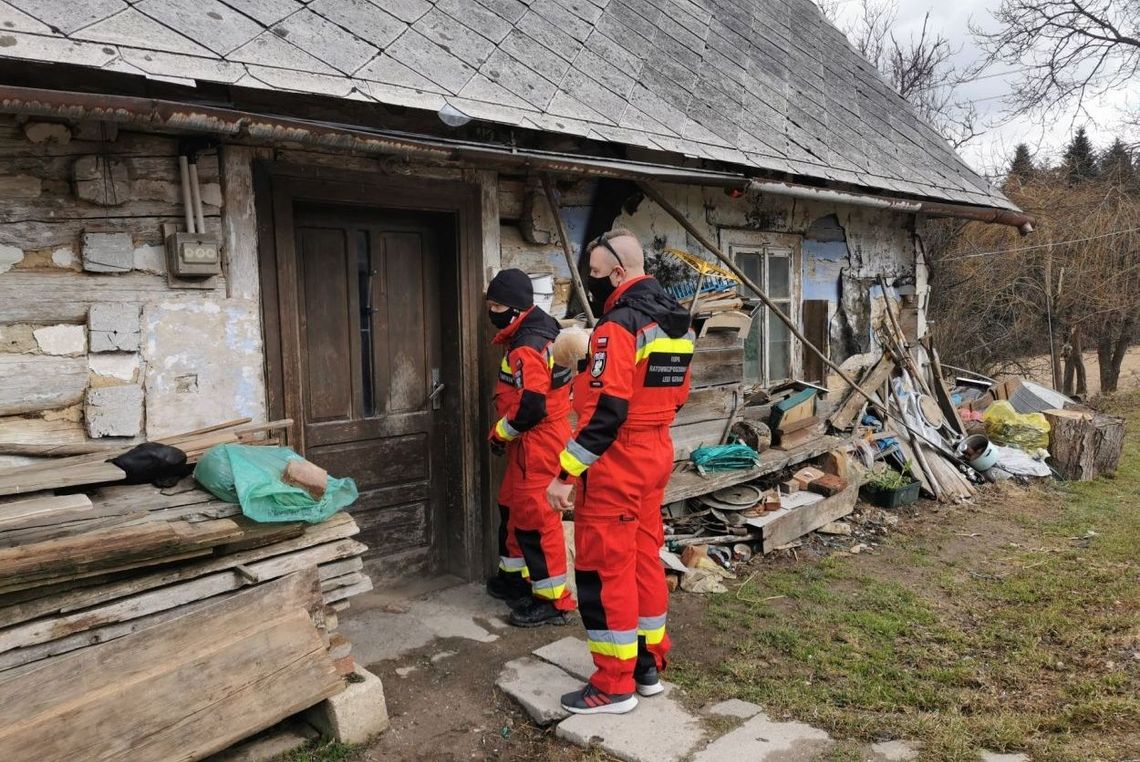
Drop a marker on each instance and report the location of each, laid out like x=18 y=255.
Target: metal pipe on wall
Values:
x=196 y=196
x=187 y=200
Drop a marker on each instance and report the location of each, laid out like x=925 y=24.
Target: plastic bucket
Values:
x=543 y=286
x=981 y=452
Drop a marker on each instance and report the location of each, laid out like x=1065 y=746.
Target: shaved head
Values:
x=630 y=257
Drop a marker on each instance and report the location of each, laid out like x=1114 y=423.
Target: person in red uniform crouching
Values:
x=532 y=402
x=635 y=380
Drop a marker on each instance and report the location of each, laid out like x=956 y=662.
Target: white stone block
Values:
x=113 y=327
x=9 y=256
x=108 y=252
x=354 y=715
x=571 y=654
x=67 y=340
x=114 y=411
x=538 y=687
x=660 y=729
x=120 y=365
x=150 y=259
x=65 y=257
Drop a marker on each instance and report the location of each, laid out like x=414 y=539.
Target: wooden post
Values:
x=579 y=288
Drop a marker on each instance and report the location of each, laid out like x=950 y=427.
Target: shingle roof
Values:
x=766 y=84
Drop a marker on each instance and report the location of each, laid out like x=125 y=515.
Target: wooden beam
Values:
x=575 y=276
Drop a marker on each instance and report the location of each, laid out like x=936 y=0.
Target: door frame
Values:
x=277 y=187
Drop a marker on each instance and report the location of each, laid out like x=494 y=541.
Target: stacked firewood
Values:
x=160 y=620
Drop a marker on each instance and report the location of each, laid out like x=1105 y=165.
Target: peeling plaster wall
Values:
x=844 y=249
x=143 y=358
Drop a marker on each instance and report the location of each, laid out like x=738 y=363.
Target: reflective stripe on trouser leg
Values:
x=617 y=644
x=513 y=565
x=652 y=628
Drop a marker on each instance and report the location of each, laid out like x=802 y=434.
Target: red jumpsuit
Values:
x=636 y=378
x=532 y=401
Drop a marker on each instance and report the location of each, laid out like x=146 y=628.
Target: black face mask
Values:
x=600 y=289
x=503 y=319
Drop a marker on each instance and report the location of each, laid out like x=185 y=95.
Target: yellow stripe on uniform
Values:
x=505 y=366
x=682 y=346
x=505 y=431
x=616 y=650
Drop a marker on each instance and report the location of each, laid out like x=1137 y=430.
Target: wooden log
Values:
x=24 y=514
x=179 y=691
x=787 y=525
x=1084 y=445
x=107 y=550
x=31 y=383
x=843 y=417
x=713 y=403
x=164 y=598
x=335 y=531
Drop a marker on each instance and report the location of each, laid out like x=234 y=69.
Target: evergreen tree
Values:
x=1080 y=159
x=1021 y=169
x=1117 y=164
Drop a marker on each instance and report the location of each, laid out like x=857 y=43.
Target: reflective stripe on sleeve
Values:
x=575 y=458
x=505 y=430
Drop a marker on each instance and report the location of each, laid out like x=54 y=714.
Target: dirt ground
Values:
x=1129 y=371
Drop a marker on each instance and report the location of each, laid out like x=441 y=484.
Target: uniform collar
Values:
x=504 y=336
x=621 y=291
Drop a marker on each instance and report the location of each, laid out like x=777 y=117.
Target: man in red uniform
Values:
x=636 y=378
x=532 y=402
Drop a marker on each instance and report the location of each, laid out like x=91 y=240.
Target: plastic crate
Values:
x=891 y=498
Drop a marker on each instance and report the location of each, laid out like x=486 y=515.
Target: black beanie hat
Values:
x=512 y=288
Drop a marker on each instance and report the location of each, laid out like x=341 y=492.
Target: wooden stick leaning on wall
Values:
x=576 y=276
x=661 y=201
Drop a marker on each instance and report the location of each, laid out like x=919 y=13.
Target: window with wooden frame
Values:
x=772 y=263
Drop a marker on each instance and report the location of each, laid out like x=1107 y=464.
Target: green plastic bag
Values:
x=251 y=476
x=1025 y=431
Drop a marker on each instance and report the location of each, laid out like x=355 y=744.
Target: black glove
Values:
x=498 y=448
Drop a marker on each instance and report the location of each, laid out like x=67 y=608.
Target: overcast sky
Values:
x=990 y=152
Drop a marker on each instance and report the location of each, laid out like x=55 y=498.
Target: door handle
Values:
x=437 y=388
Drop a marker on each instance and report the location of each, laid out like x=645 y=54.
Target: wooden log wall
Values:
x=71 y=190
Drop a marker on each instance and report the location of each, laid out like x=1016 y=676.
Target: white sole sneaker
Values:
x=618 y=707
x=650 y=690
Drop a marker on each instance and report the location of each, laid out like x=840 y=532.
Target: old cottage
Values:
x=355 y=172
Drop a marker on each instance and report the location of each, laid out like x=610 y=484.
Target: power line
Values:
x=1040 y=245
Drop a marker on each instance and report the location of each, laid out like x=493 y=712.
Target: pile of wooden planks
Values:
x=161 y=620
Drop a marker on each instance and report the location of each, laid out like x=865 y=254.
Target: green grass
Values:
x=1027 y=648
x=322 y=750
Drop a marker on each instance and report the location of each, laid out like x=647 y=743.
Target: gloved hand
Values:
x=497 y=444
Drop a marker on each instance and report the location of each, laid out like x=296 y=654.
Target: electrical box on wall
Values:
x=193 y=255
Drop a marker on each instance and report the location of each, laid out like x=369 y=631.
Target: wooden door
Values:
x=369 y=356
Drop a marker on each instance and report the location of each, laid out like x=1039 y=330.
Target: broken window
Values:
x=768 y=357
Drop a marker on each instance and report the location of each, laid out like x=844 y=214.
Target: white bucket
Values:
x=543 y=286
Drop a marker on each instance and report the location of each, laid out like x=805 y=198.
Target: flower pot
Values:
x=890 y=498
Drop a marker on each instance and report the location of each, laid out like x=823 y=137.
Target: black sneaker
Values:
x=648 y=681
x=508 y=587
x=590 y=700
x=538 y=613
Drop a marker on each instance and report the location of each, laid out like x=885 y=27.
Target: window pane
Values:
x=779 y=346
x=779 y=276
x=750 y=263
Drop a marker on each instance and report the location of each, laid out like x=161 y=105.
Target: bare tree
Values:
x=1065 y=51
x=920 y=68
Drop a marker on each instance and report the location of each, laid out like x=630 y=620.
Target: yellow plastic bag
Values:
x=1025 y=431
